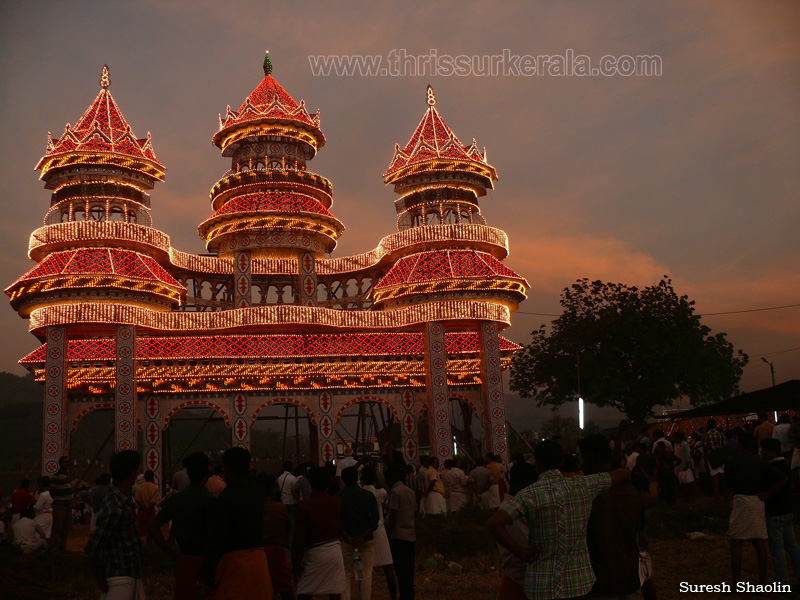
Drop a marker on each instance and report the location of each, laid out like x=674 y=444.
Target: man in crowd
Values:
x=458 y=482
x=713 y=447
x=44 y=507
x=481 y=480
x=21 y=499
x=496 y=468
x=28 y=534
x=746 y=476
x=557 y=510
x=434 y=490
x=114 y=547
x=780 y=514
x=189 y=512
x=181 y=478
x=216 y=483
x=275 y=534
x=61 y=490
x=359 y=519
x=764 y=429
x=96 y=496
x=316 y=549
x=522 y=475
x=234 y=563
x=613 y=529
x=146 y=498
x=286 y=482
x=781 y=433
x=400 y=528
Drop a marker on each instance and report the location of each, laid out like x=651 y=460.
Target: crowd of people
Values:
x=569 y=524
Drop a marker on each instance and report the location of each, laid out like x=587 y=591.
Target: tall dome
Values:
x=268 y=204
x=97 y=242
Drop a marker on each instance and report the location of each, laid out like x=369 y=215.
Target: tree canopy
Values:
x=634 y=349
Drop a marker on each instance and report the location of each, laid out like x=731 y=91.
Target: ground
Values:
x=456 y=560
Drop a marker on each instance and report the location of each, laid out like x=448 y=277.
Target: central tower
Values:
x=268 y=205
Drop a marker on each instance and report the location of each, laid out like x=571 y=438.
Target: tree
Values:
x=568 y=429
x=633 y=348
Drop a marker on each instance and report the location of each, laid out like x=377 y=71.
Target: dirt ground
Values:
x=675 y=560
x=699 y=561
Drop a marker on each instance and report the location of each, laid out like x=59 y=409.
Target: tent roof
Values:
x=784 y=396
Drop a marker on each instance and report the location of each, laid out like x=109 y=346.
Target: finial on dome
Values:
x=104 y=80
x=267 y=64
x=431 y=97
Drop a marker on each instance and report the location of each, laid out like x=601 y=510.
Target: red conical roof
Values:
x=433 y=139
x=269 y=103
x=102 y=129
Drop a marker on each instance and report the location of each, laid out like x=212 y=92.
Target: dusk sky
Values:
x=693 y=174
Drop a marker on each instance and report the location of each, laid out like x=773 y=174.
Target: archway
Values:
x=369 y=425
x=193 y=427
x=283 y=429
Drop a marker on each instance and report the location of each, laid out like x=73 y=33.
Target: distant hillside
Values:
x=15 y=389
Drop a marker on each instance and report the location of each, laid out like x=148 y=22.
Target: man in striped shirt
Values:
x=61 y=491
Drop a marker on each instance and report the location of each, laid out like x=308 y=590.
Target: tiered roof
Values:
x=269 y=103
x=433 y=139
x=444 y=264
x=101 y=261
x=102 y=130
x=273 y=201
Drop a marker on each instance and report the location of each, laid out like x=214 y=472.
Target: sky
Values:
x=691 y=174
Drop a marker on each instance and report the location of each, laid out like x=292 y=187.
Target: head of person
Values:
x=396 y=473
x=679 y=436
x=658 y=433
x=350 y=476
x=104 y=479
x=218 y=469
x=27 y=513
x=348 y=452
x=368 y=475
x=596 y=452
x=124 y=467
x=287 y=466
x=548 y=455
x=63 y=464
x=433 y=463
x=478 y=461
x=197 y=467
x=770 y=448
x=320 y=478
x=236 y=462
x=424 y=460
x=762 y=416
x=712 y=424
x=25 y=483
x=457 y=462
x=448 y=464
x=268 y=482
x=149 y=476
x=569 y=463
x=784 y=418
x=489 y=458
x=521 y=475
x=44 y=481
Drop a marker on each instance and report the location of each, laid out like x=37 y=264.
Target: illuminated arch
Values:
x=292 y=401
x=194 y=404
x=87 y=410
x=475 y=408
x=360 y=399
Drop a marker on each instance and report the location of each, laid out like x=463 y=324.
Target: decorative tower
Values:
x=457 y=257
x=267 y=205
x=96 y=249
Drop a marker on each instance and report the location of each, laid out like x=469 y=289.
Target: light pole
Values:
x=772 y=371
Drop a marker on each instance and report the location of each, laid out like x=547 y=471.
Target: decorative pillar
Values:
x=125 y=389
x=240 y=429
x=408 y=427
x=152 y=439
x=55 y=434
x=436 y=379
x=494 y=406
x=242 y=279
x=308 y=279
x=325 y=430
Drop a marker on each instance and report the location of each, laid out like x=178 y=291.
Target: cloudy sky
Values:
x=693 y=173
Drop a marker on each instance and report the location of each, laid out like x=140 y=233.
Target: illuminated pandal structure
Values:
x=131 y=324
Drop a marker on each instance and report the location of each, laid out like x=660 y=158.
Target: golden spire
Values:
x=431 y=97
x=104 y=80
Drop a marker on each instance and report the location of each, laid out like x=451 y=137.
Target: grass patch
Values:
x=674 y=522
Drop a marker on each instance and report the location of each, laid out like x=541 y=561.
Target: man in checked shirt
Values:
x=114 y=547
